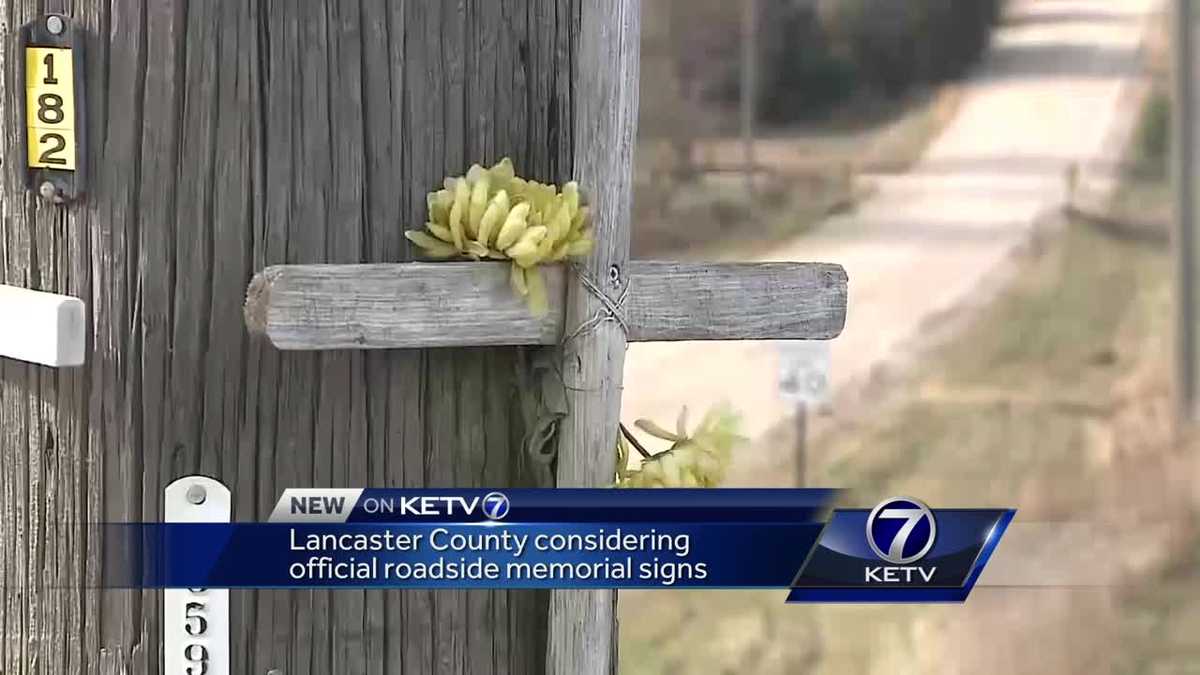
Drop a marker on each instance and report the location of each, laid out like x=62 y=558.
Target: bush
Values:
x=897 y=45
x=1154 y=134
x=815 y=56
x=802 y=76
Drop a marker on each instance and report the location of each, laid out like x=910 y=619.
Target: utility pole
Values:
x=749 y=85
x=215 y=152
x=801 y=453
x=1183 y=176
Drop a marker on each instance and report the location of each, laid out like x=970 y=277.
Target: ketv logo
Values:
x=901 y=531
x=900 y=551
x=312 y=505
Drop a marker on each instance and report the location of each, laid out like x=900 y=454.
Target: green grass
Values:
x=1160 y=616
x=1056 y=327
x=1145 y=193
x=1012 y=396
x=1153 y=137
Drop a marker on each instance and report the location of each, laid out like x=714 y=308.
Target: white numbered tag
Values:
x=196 y=620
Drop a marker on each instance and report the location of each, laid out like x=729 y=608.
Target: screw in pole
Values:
x=55 y=24
x=50 y=192
x=196 y=494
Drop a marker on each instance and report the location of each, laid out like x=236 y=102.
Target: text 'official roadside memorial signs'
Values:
x=53 y=100
x=804 y=368
x=196 y=620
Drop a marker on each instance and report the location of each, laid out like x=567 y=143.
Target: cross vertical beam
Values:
x=582 y=623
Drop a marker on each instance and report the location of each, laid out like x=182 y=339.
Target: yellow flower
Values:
x=493 y=214
x=697 y=460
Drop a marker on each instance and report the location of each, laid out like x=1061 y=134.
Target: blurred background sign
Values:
x=804 y=372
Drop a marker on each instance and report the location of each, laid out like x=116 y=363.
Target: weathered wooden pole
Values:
x=227 y=136
x=583 y=631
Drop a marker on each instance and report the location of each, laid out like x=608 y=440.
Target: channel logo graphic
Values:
x=900 y=551
x=900 y=530
x=378 y=505
x=495 y=506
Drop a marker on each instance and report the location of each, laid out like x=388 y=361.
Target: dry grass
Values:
x=803 y=175
x=1055 y=399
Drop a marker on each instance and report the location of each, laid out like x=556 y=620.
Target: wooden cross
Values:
x=420 y=305
x=229 y=137
x=454 y=304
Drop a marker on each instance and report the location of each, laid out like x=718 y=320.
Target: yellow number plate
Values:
x=50 y=107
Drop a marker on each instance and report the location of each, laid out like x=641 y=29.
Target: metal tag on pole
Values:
x=196 y=620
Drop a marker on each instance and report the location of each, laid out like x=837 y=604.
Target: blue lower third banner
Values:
x=900 y=551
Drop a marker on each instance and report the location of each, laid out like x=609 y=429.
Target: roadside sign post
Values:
x=803 y=382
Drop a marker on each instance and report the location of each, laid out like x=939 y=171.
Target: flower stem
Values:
x=633 y=441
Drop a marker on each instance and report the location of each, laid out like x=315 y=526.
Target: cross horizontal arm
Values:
x=457 y=304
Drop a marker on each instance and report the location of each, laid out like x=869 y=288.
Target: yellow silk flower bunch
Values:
x=700 y=459
x=494 y=214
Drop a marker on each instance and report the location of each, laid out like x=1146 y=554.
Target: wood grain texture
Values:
x=388 y=306
x=226 y=137
x=583 y=623
x=736 y=301
x=410 y=305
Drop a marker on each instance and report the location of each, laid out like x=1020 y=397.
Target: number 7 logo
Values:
x=914 y=513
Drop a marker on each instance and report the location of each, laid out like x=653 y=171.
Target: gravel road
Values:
x=1054 y=91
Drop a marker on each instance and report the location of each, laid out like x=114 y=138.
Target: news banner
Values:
x=797 y=540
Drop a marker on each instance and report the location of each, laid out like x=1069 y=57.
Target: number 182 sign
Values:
x=50 y=107
x=53 y=95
